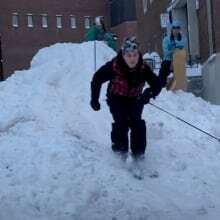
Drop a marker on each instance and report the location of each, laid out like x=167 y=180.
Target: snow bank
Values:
x=56 y=162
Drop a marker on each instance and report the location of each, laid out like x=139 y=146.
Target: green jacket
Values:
x=97 y=33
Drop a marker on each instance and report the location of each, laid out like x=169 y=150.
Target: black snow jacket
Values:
x=130 y=79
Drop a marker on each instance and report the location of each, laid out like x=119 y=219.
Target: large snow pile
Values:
x=56 y=162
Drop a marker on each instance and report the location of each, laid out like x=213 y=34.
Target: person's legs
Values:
x=119 y=133
x=165 y=70
x=119 y=137
x=138 y=138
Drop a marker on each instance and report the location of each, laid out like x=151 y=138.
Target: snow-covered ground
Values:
x=55 y=156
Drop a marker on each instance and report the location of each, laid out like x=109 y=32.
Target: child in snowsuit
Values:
x=127 y=75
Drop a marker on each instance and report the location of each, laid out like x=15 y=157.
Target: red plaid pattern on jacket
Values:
x=120 y=85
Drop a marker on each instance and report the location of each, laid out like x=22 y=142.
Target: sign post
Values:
x=164 y=20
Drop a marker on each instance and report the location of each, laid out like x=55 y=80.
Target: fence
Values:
x=155 y=62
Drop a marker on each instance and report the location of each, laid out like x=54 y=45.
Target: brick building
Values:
x=26 y=26
x=149 y=31
x=209 y=27
x=123 y=19
x=201 y=25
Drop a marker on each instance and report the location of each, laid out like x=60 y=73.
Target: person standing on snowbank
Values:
x=98 y=32
x=127 y=75
x=173 y=41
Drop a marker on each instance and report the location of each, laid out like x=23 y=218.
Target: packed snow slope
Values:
x=55 y=157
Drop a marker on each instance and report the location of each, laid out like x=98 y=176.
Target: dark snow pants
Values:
x=126 y=114
x=165 y=71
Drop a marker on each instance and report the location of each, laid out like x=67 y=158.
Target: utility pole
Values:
x=1 y=61
x=210 y=26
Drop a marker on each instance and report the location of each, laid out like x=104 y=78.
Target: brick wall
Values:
x=216 y=24
x=125 y=29
x=20 y=44
x=150 y=32
x=203 y=30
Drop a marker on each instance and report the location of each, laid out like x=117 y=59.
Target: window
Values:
x=44 y=21
x=30 y=20
x=15 y=19
x=145 y=6
x=59 y=21
x=87 y=22
x=72 y=22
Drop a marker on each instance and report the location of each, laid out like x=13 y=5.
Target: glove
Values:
x=146 y=96
x=179 y=47
x=95 y=105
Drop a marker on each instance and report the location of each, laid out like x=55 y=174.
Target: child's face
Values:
x=131 y=58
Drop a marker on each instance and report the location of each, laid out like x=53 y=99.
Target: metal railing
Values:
x=155 y=62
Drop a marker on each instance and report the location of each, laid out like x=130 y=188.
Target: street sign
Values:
x=164 y=20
